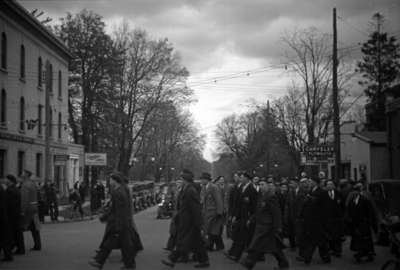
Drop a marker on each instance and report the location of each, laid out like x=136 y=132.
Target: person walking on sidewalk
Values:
x=189 y=221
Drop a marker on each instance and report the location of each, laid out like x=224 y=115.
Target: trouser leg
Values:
x=103 y=254
x=36 y=236
x=19 y=237
x=323 y=250
x=251 y=259
x=219 y=242
x=308 y=251
x=281 y=258
x=128 y=257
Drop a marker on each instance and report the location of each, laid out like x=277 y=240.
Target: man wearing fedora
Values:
x=189 y=221
x=212 y=212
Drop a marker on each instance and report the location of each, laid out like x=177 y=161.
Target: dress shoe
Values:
x=7 y=259
x=167 y=262
x=19 y=252
x=326 y=260
x=202 y=265
x=35 y=249
x=96 y=264
x=231 y=257
x=128 y=268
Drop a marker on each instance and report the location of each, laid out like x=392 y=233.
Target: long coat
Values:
x=268 y=222
x=120 y=230
x=313 y=214
x=29 y=204
x=212 y=209
x=362 y=219
x=5 y=228
x=335 y=215
x=189 y=221
x=246 y=203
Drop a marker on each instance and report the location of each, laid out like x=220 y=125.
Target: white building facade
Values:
x=29 y=51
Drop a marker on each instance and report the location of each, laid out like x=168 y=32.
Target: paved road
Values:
x=68 y=246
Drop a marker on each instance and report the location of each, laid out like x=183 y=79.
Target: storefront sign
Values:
x=95 y=159
x=315 y=154
x=60 y=159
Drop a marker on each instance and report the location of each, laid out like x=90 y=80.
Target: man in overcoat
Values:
x=5 y=223
x=243 y=230
x=335 y=218
x=233 y=193
x=29 y=209
x=362 y=221
x=293 y=202
x=314 y=218
x=212 y=211
x=120 y=230
x=268 y=226
x=189 y=225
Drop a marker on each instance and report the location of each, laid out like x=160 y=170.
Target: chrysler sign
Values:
x=96 y=159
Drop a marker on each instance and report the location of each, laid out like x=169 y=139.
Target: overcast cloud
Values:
x=217 y=38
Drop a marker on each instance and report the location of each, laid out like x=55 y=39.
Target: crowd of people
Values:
x=19 y=212
x=260 y=214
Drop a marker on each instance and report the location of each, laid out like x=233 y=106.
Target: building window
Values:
x=40 y=72
x=22 y=63
x=59 y=125
x=39 y=162
x=3 y=50
x=59 y=84
x=40 y=119
x=50 y=122
x=2 y=163
x=22 y=114
x=3 y=108
x=50 y=73
x=20 y=162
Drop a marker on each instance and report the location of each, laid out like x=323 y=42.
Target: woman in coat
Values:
x=120 y=230
x=362 y=220
x=268 y=226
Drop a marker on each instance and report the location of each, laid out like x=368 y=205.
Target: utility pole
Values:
x=336 y=120
x=48 y=124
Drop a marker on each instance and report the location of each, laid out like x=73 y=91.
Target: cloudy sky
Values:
x=232 y=48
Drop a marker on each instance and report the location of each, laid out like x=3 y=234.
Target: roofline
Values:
x=368 y=140
x=31 y=20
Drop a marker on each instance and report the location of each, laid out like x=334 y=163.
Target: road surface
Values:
x=69 y=246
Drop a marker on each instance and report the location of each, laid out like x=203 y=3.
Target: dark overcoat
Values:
x=13 y=208
x=213 y=208
x=313 y=215
x=268 y=223
x=29 y=204
x=335 y=215
x=5 y=228
x=246 y=203
x=362 y=220
x=120 y=230
x=188 y=219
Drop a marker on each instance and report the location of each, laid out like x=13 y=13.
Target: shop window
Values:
x=50 y=123
x=59 y=125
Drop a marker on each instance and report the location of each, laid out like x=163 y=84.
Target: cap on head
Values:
x=118 y=177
